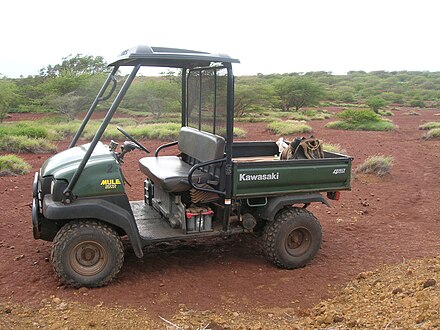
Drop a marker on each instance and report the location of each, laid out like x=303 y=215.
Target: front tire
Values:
x=293 y=239
x=87 y=253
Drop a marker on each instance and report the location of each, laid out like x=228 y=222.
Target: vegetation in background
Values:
x=70 y=86
x=385 y=113
x=433 y=134
x=378 y=164
x=361 y=120
x=298 y=92
x=430 y=125
x=157 y=96
x=333 y=147
x=13 y=165
x=8 y=96
x=288 y=127
x=253 y=97
x=18 y=144
x=376 y=103
x=38 y=136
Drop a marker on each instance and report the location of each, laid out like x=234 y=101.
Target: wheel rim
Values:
x=88 y=258
x=298 y=242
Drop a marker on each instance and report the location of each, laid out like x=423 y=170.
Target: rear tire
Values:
x=87 y=253
x=292 y=239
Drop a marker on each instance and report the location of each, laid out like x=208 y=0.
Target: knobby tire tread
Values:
x=59 y=243
x=272 y=228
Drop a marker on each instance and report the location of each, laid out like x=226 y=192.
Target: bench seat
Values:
x=170 y=172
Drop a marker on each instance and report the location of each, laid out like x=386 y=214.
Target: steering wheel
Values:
x=128 y=136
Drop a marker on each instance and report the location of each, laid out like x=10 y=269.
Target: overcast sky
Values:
x=267 y=36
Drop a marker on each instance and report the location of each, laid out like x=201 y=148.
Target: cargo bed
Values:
x=258 y=172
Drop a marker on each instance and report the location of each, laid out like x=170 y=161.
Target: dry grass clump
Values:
x=433 y=134
x=288 y=127
x=412 y=113
x=11 y=165
x=334 y=147
x=378 y=164
x=430 y=125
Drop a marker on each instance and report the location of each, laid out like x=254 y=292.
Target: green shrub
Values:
x=376 y=103
x=361 y=120
x=377 y=164
x=154 y=131
x=318 y=114
x=25 y=129
x=385 y=113
x=254 y=119
x=124 y=122
x=430 y=125
x=239 y=132
x=13 y=165
x=367 y=126
x=19 y=144
x=288 y=127
x=417 y=103
x=433 y=134
x=63 y=130
x=134 y=113
x=359 y=116
x=309 y=114
x=297 y=116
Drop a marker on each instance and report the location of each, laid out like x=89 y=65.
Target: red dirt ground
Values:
x=380 y=221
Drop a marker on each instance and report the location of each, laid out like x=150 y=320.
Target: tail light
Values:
x=334 y=195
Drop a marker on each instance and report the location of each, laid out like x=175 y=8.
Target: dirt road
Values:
x=381 y=221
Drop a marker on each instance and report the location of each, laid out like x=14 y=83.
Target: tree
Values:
x=376 y=103
x=8 y=97
x=68 y=104
x=76 y=65
x=248 y=97
x=154 y=95
x=67 y=87
x=298 y=92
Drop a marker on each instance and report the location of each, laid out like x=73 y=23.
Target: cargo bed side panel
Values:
x=291 y=176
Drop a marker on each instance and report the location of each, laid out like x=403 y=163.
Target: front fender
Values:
x=95 y=208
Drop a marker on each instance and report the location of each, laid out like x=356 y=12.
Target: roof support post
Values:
x=229 y=142
x=99 y=97
x=68 y=198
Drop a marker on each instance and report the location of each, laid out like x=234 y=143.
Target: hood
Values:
x=64 y=164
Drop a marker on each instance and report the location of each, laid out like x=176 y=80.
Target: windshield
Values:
x=206 y=100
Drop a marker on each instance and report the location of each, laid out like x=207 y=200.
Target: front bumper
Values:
x=36 y=214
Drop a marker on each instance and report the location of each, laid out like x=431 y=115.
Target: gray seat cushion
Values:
x=170 y=173
x=200 y=145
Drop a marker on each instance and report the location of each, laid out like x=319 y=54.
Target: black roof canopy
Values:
x=169 y=57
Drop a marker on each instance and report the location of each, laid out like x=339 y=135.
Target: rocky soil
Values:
x=378 y=267
x=403 y=296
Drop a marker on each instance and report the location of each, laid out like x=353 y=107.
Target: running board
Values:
x=153 y=228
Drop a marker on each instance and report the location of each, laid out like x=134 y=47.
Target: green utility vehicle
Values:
x=213 y=186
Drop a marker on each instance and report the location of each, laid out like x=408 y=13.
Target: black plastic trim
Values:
x=96 y=208
x=275 y=204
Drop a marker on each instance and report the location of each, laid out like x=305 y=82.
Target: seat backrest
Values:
x=199 y=145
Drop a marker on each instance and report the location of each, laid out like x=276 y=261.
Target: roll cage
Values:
x=192 y=64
